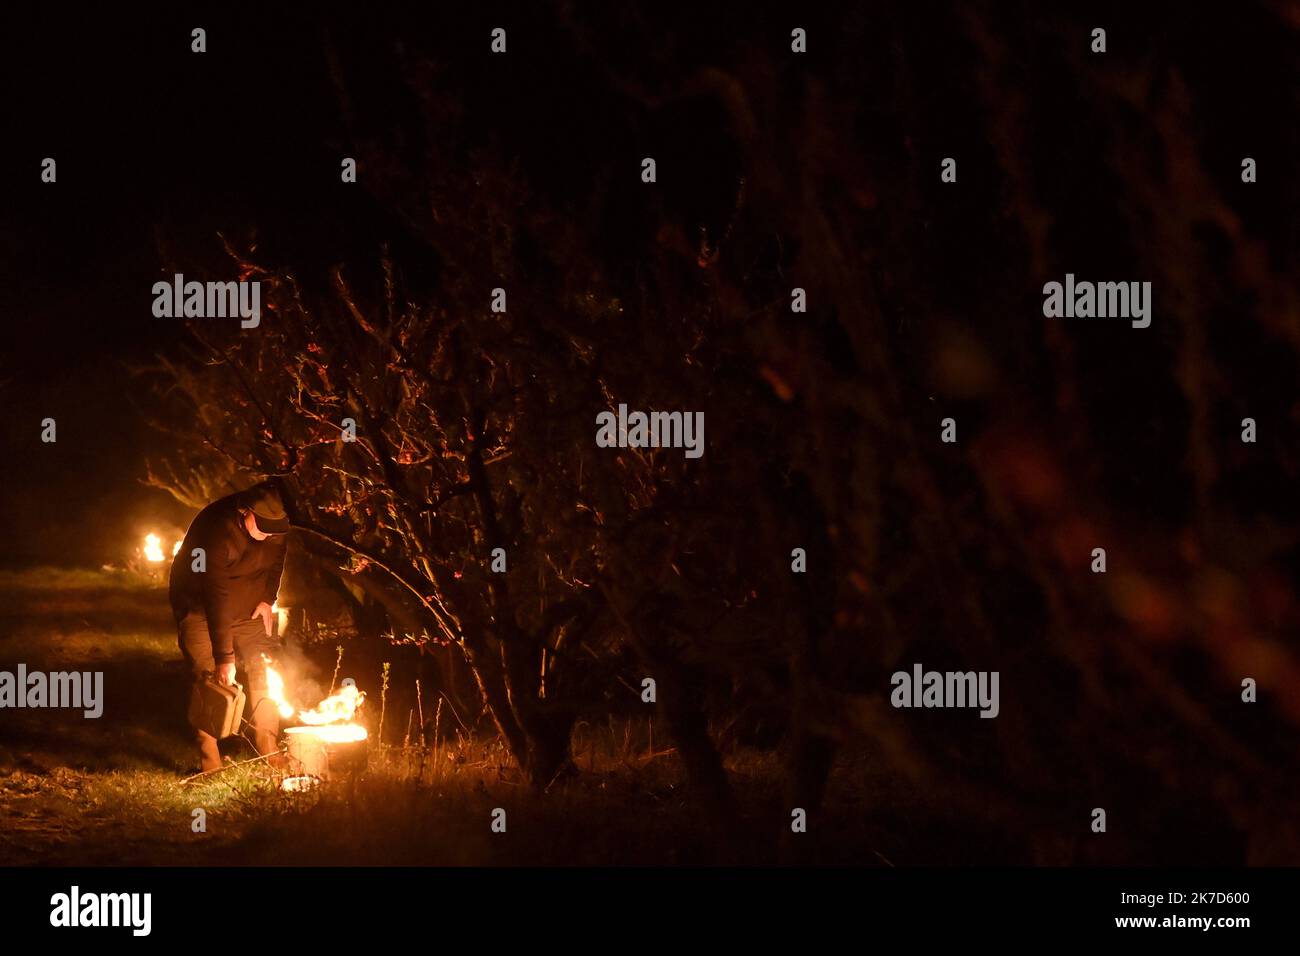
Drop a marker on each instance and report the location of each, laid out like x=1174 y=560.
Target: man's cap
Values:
x=268 y=510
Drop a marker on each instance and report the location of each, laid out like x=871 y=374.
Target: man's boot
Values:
x=209 y=755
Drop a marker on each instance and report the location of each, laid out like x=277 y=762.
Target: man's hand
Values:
x=264 y=611
x=226 y=674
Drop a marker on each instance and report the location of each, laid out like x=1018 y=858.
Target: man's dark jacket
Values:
x=240 y=572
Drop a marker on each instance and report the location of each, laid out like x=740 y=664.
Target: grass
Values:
x=113 y=790
x=72 y=583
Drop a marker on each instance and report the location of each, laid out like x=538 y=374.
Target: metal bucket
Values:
x=313 y=753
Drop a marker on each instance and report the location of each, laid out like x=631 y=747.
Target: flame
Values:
x=176 y=547
x=339 y=707
x=333 y=733
x=275 y=689
x=153 y=551
x=336 y=709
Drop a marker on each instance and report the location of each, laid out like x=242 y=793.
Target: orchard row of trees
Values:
x=475 y=429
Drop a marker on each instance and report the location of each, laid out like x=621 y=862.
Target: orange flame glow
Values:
x=333 y=733
x=275 y=689
x=153 y=551
x=339 y=707
x=330 y=718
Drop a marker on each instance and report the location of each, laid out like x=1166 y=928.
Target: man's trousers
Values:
x=251 y=643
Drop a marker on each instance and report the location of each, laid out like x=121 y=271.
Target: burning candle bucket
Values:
x=329 y=749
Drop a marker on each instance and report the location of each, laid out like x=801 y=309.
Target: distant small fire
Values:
x=153 y=549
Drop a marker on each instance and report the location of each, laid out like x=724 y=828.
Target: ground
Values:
x=112 y=791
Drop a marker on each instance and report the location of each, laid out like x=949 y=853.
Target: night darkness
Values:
x=945 y=458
